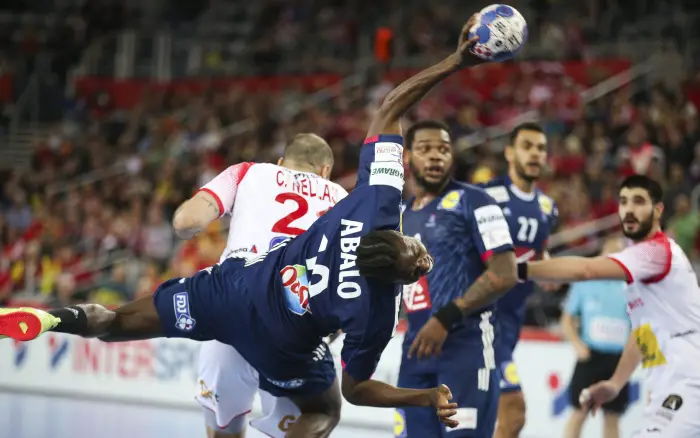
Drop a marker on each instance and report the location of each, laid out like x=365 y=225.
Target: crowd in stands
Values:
x=67 y=238
x=75 y=241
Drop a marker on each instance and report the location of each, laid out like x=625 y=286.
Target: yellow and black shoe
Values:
x=25 y=323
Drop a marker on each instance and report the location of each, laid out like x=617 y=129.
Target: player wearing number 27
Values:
x=267 y=203
x=663 y=302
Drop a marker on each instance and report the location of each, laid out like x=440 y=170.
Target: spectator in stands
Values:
x=595 y=321
x=684 y=225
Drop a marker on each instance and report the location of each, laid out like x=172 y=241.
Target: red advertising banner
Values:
x=128 y=92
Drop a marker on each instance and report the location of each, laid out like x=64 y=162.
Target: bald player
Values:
x=267 y=204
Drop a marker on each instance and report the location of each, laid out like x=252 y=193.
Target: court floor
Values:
x=33 y=416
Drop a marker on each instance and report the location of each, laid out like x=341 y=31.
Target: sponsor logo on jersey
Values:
x=450 y=200
x=499 y=194
x=546 y=204
x=277 y=240
x=416 y=296
x=386 y=174
x=183 y=319
x=296 y=288
x=648 y=344
x=386 y=151
x=287 y=384
x=492 y=226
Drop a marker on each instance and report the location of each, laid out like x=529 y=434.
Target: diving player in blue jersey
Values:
x=531 y=216
x=345 y=273
x=451 y=309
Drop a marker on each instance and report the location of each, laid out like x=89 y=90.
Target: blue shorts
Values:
x=227 y=316
x=474 y=389
x=504 y=347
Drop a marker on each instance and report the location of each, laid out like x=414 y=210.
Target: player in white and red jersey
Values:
x=663 y=302
x=267 y=204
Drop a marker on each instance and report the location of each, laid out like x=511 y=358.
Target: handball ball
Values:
x=502 y=31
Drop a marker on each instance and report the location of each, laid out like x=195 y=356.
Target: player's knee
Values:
x=512 y=412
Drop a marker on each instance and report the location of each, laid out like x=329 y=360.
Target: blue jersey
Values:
x=279 y=305
x=461 y=228
x=531 y=217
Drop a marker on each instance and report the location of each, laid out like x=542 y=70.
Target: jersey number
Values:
x=283 y=226
x=528 y=229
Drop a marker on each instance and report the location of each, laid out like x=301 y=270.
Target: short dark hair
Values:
x=378 y=254
x=423 y=124
x=310 y=149
x=656 y=193
x=527 y=126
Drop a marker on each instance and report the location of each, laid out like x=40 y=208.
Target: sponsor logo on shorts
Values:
x=286 y=423
x=399 y=423
x=296 y=288
x=287 y=384
x=183 y=319
x=673 y=402
x=207 y=393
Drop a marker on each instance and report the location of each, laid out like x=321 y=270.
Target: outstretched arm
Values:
x=566 y=269
x=403 y=97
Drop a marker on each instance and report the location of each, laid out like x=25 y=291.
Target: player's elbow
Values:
x=184 y=222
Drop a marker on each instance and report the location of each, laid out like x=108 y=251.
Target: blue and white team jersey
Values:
x=461 y=228
x=531 y=217
x=276 y=308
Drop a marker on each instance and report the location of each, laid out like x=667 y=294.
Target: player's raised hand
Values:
x=465 y=43
x=429 y=340
x=597 y=395
x=445 y=409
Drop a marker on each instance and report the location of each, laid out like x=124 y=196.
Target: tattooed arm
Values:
x=195 y=214
x=498 y=279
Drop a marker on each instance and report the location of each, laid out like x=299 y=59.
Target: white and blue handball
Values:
x=502 y=31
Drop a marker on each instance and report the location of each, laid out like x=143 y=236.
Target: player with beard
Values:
x=467 y=234
x=531 y=216
x=663 y=302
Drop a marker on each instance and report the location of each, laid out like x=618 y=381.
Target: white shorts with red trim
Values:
x=226 y=386
x=672 y=411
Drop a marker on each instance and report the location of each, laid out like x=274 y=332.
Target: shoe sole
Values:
x=20 y=326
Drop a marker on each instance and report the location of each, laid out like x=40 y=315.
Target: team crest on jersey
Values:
x=296 y=288
x=546 y=204
x=450 y=200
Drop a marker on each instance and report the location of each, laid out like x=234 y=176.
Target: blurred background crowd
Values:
x=90 y=179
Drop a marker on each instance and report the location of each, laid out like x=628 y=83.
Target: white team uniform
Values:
x=663 y=302
x=267 y=204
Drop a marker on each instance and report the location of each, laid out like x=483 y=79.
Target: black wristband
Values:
x=522 y=271
x=449 y=315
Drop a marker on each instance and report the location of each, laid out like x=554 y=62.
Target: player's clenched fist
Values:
x=445 y=409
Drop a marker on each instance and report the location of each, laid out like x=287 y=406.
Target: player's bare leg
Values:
x=511 y=415
x=575 y=424
x=134 y=321
x=319 y=414
x=611 y=425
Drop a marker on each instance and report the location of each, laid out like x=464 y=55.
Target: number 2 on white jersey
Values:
x=284 y=225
